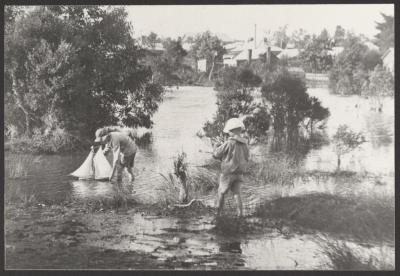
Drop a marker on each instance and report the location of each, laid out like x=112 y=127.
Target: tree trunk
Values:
x=338 y=163
x=20 y=104
x=212 y=68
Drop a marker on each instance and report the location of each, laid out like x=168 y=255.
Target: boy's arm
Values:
x=115 y=160
x=220 y=151
x=116 y=149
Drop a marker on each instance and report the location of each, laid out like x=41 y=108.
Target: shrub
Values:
x=234 y=99
x=291 y=107
x=345 y=140
x=350 y=69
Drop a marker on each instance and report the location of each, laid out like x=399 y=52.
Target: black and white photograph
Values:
x=199 y=137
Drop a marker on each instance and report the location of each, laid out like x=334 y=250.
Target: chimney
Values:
x=249 y=55
x=269 y=55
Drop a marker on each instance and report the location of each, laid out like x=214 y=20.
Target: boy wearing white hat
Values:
x=234 y=155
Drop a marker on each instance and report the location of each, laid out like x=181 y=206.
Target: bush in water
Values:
x=345 y=140
x=235 y=99
x=291 y=107
x=350 y=69
x=379 y=85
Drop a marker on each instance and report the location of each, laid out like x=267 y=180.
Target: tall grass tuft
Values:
x=18 y=165
x=278 y=169
x=170 y=189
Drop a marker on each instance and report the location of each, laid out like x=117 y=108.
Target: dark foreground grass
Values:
x=369 y=218
x=342 y=257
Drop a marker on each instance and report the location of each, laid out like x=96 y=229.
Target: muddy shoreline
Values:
x=73 y=236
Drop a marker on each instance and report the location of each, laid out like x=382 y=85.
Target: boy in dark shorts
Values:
x=234 y=155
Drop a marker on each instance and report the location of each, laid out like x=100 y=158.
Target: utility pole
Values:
x=255 y=36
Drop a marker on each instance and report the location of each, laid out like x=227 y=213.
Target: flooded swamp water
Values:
x=137 y=240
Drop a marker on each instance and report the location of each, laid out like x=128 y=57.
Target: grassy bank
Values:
x=361 y=218
x=342 y=257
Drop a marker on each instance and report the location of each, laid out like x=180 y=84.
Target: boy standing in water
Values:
x=234 y=155
x=123 y=148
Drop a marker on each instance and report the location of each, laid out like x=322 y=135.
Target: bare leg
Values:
x=130 y=171
x=221 y=199
x=238 y=200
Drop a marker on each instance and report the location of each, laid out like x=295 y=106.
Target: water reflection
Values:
x=92 y=189
x=377 y=154
x=182 y=115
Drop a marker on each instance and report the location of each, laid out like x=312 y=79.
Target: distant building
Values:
x=247 y=52
x=187 y=46
x=289 y=53
x=335 y=51
x=202 y=65
x=158 y=48
x=371 y=46
x=232 y=50
x=297 y=71
x=388 y=59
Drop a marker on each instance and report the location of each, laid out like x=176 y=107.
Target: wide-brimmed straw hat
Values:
x=232 y=124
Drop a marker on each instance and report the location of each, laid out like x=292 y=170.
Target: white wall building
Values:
x=388 y=59
x=202 y=65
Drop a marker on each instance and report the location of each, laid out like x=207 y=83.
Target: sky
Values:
x=237 y=21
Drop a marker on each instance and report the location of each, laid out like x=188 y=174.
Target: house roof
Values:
x=261 y=49
x=336 y=50
x=290 y=53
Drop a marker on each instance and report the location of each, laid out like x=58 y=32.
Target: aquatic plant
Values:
x=276 y=169
x=181 y=172
x=170 y=189
x=202 y=182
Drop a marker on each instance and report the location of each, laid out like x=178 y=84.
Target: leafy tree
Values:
x=300 y=38
x=150 y=40
x=168 y=66
x=234 y=99
x=385 y=37
x=350 y=69
x=345 y=140
x=76 y=68
x=339 y=36
x=380 y=84
x=316 y=56
x=209 y=47
x=280 y=37
x=290 y=106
